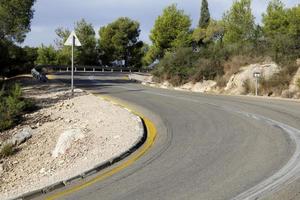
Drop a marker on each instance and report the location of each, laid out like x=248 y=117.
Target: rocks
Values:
x=236 y=82
x=294 y=88
x=80 y=129
x=204 y=86
x=65 y=141
x=20 y=137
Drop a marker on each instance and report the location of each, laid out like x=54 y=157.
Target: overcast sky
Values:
x=50 y=14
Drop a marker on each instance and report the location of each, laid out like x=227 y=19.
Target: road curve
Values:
x=208 y=147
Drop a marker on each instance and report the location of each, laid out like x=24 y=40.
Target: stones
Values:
x=20 y=137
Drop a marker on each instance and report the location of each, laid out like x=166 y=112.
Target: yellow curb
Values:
x=51 y=77
x=151 y=135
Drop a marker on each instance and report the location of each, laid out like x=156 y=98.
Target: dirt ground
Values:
x=70 y=134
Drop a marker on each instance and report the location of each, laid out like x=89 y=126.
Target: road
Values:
x=208 y=147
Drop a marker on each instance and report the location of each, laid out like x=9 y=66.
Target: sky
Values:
x=51 y=14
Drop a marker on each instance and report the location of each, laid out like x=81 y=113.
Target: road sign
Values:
x=72 y=41
x=69 y=41
x=256 y=75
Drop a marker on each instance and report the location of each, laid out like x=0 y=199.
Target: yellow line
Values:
x=151 y=130
x=50 y=77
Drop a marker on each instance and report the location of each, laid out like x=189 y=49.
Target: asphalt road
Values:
x=208 y=147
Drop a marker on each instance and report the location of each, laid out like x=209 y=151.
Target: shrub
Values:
x=234 y=64
x=279 y=81
x=248 y=87
x=12 y=106
x=221 y=81
x=206 y=69
x=298 y=82
x=7 y=150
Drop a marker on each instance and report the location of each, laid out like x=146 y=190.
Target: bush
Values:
x=176 y=67
x=298 y=82
x=7 y=150
x=279 y=81
x=221 y=81
x=12 y=106
x=185 y=65
x=248 y=87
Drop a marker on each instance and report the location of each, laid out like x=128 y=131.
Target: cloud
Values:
x=64 y=13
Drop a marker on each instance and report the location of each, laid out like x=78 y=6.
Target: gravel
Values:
x=103 y=131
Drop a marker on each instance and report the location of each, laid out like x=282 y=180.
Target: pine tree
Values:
x=205 y=15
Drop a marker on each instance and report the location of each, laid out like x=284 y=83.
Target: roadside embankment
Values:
x=65 y=137
x=274 y=81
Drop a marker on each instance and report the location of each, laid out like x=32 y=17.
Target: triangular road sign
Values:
x=69 y=41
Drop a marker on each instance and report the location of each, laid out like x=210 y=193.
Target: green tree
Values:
x=171 y=30
x=275 y=20
x=64 y=52
x=205 y=15
x=239 y=24
x=47 y=55
x=87 y=53
x=119 y=40
x=212 y=33
x=282 y=29
x=15 y=18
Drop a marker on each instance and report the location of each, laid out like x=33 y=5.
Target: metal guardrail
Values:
x=39 y=76
x=92 y=69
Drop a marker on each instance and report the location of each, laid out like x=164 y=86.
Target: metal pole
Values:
x=72 y=77
x=256 y=91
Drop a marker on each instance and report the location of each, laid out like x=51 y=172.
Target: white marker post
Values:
x=72 y=41
x=256 y=75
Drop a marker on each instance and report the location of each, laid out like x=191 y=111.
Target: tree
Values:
x=64 y=52
x=171 y=30
x=47 y=55
x=205 y=15
x=15 y=19
x=87 y=53
x=239 y=24
x=281 y=27
x=275 y=21
x=212 y=33
x=119 y=40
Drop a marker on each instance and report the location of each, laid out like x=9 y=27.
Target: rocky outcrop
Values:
x=294 y=85
x=236 y=82
x=202 y=87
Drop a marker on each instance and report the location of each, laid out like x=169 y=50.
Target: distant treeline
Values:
x=203 y=52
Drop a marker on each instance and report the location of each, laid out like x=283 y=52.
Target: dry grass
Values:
x=7 y=150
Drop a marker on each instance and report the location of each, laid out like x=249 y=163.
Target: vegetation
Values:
x=205 y=15
x=298 y=83
x=15 y=18
x=12 y=106
x=7 y=150
x=171 y=31
x=220 y=47
x=120 y=41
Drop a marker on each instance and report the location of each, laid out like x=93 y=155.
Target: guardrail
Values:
x=93 y=69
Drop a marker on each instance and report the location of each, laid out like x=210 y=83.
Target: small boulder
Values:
x=21 y=137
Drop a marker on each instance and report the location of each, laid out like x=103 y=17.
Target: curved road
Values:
x=208 y=147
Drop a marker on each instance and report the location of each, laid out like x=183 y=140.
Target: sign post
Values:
x=72 y=41
x=256 y=75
